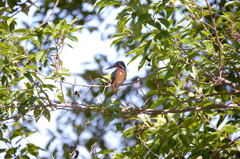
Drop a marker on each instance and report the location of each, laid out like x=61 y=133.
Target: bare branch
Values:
x=47 y=18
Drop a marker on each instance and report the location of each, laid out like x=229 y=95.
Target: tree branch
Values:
x=217 y=38
x=226 y=146
x=189 y=109
x=46 y=95
x=127 y=110
x=110 y=85
x=26 y=8
x=47 y=18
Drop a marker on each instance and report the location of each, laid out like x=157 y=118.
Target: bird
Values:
x=119 y=75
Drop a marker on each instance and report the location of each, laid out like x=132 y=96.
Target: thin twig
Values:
x=73 y=92
x=61 y=87
x=47 y=18
x=146 y=146
x=26 y=8
x=226 y=146
x=46 y=95
x=202 y=116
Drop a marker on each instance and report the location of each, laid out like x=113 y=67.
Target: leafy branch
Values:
x=127 y=110
x=225 y=146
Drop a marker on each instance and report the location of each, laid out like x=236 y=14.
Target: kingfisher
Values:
x=119 y=75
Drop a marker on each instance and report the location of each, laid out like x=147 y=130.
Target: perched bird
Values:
x=119 y=75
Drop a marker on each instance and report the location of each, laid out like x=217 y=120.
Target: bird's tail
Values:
x=115 y=88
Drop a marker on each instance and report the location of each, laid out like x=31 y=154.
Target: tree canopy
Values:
x=186 y=106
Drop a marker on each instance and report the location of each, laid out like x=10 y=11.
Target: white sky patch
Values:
x=113 y=139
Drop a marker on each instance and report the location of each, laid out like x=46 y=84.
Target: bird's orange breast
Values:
x=121 y=75
x=119 y=78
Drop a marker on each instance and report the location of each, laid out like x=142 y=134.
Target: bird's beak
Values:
x=110 y=67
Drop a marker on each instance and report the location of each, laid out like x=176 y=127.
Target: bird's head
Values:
x=119 y=64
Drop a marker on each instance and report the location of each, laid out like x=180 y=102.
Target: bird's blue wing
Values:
x=113 y=75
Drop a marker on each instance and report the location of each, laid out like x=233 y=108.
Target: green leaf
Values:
x=26 y=37
x=184 y=140
x=145 y=36
x=125 y=34
x=158 y=102
x=29 y=77
x=230 y=129
x=73 y=38
x=10 y=21
x=147 y=46
x=60 y=97
x=16 y=133
x=69 y=45
x=46 y=114
x=22 y=30
x=194 y=72
x=4 y=140
x=134 y=58
x=1 y=63
x=49 y=86
x=117 y=40
x=51 y=25
x=163 y=34
x=104 y=3
x=137 y=28
x=39 y=55
x=25 y=157
x=2 y=150
x=231 y=3
x=142 y=62
x=32 y=67
x=37 y=113
x=164 y=22
x=107 y=151
x=129 y=132
x=151 y=93
x=168 y=74
x=208 y=44
x=145 y=118
x=33 y=149
x=74 y=21
x=10 y=152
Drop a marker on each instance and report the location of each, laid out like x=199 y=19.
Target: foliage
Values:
x=189 y=104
